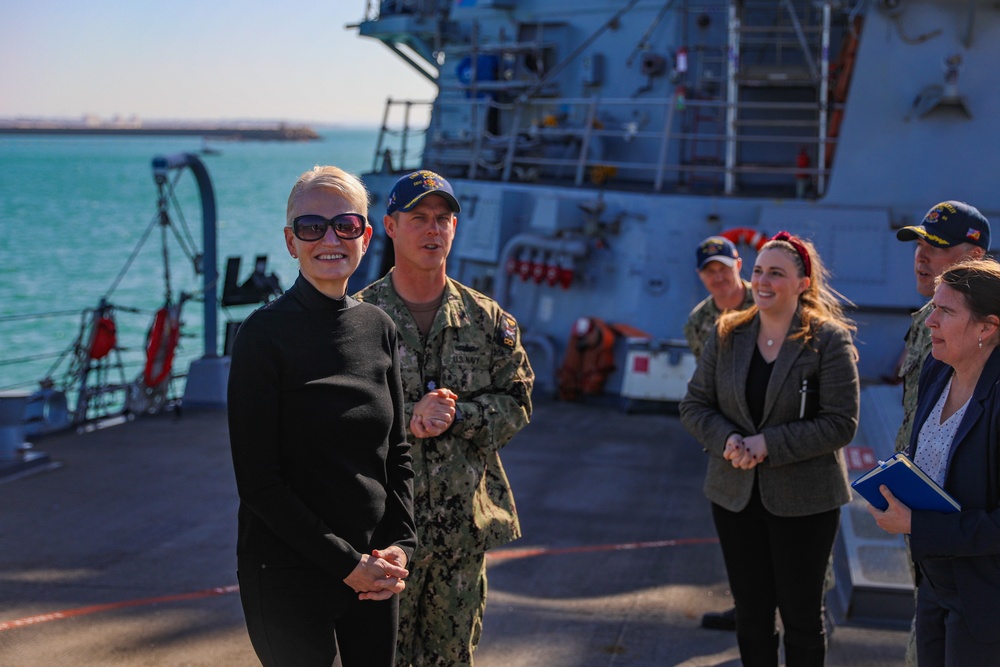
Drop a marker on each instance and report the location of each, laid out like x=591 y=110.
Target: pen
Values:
x=802 y=403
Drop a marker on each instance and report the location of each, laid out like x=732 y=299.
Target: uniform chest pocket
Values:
x=465 y=369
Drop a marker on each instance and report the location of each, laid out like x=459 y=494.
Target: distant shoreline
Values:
x=276 y=132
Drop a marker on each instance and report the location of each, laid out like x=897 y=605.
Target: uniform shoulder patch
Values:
x=509 y=328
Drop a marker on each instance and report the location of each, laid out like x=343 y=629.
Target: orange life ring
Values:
x=754 y=238
x=161 y=345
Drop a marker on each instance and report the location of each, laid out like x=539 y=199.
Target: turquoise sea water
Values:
x=73 y=209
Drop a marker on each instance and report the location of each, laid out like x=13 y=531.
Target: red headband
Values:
x=799 y=248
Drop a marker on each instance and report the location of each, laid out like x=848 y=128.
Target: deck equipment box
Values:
x=657 y=370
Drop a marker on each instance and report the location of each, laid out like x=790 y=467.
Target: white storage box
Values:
x=657 y=370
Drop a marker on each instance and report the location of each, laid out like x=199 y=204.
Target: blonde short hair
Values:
x=334 y=178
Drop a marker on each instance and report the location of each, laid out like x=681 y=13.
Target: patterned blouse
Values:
x=935 y=439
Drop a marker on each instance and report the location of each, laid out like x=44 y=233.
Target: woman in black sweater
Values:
x=319 y=449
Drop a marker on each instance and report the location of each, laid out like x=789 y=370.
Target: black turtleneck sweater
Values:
x=317 y=434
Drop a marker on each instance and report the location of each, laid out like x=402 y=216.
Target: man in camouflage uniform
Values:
x=467 y=385
x=950 y=232
x=718 y=266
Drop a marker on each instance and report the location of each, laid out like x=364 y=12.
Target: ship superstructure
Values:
x=595 y=144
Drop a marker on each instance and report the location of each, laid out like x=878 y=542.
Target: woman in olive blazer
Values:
x=773 y=401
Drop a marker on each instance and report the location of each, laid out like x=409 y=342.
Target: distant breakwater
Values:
x=234 y=132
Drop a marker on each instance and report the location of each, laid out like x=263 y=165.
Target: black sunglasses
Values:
x=313 y=227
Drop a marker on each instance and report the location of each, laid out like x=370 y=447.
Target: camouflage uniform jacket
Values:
x=918 y=346
x=462 y=499
x=702 y=319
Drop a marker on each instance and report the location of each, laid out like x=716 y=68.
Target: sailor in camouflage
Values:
x=950 y=232
x=718 y=264
x=467 y=388
x=917 y=347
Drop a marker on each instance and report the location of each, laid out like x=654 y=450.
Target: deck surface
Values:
x=124 y=555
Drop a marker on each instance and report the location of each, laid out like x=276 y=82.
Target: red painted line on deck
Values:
x=493 y=556
x=111 y=606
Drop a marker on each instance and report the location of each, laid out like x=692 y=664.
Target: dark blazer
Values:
x=965 y=545
x=804 y=472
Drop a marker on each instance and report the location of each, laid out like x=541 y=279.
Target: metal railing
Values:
x=569 y=139
x=512 y=129
x=106 y=386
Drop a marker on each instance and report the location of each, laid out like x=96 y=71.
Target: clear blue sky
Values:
x=290 y=60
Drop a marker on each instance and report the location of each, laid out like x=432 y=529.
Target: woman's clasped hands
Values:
x=379 y=576
x=745 y=453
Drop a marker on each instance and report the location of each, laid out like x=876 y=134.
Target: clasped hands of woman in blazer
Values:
x=745 y=453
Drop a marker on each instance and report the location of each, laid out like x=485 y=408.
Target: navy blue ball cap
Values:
x=716 y=249
x=948 y=224
x=410 y=189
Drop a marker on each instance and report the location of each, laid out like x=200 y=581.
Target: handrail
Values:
x=487 y=156
x=396 y=156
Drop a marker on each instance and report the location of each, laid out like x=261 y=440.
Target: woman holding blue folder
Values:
x=956 y=441
x=772 y=402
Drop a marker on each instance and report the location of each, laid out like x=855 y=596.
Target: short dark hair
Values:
x=978 y=280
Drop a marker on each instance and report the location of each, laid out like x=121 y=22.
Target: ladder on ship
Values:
x=706 y=120
x=777 y=94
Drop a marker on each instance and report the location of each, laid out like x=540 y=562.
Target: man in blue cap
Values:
x=949 y=233
x=467 y=387
x=718 y=264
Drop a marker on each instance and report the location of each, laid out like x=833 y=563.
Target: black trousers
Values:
x=777 y=563
x=297 y=617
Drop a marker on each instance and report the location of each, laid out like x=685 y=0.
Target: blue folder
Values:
x=908 y=483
